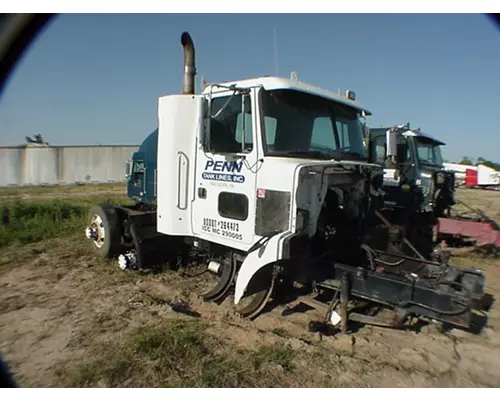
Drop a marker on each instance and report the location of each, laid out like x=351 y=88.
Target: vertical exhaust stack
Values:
x=189 y=63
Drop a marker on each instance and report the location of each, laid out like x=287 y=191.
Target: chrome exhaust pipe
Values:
x=189 y=63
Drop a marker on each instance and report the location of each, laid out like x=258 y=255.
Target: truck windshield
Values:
x=298 y=124
x=428 y=152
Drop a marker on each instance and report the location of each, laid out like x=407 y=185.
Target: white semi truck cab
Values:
x=251 y=162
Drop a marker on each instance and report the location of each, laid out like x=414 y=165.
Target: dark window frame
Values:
x=243 y=196
x=228 y=129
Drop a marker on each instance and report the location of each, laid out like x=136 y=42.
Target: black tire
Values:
x=7 y=380
x=112 y=243
x=261 y=288
x=223 y=285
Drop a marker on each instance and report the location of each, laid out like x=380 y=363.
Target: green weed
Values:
x=179 y=353
x=24 y=222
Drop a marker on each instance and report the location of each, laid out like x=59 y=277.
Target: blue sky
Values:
x=95 y=79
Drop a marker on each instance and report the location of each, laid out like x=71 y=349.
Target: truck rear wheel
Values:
x=104 y=230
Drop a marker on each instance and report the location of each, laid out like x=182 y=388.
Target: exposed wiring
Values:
x=465 y=308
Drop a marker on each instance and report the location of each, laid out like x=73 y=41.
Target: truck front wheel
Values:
x=103 y=230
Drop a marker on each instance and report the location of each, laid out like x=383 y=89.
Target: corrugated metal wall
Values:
x=51 y=165
x=10 y=166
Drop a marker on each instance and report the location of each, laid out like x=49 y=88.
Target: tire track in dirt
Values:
x=433 y=354
x=55 y=307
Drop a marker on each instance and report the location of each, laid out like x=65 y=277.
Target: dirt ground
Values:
x=486 y=200
x=62 y=312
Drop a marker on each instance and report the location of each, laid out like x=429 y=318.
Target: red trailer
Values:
x=473 y=227
x=471 y=177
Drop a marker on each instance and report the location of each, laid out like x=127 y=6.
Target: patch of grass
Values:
x=47 y=190
x=178 y=341
x=24 y=222
x=115 y=368
x=486 y=200
x=179 y=353
x=280 y=355
x=27 y=223
x=280 y=332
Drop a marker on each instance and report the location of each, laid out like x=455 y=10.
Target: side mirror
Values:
x=128 y=169
x=392 y=145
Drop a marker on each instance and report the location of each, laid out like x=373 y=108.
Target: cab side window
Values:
x=231 y=130
x=233 y=206
x=378 y=150
x=138 y=167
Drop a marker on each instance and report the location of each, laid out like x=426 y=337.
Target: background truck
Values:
x=420 y=192
x=141 y=172
x=418 y=189
x=128 y=232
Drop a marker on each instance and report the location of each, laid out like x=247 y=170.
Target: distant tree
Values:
x=480 y=160
x=465 y=161
x=491 y=164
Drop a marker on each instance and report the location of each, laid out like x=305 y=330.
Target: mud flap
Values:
x=264 y=255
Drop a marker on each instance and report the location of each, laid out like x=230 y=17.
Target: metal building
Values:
x=34 y=164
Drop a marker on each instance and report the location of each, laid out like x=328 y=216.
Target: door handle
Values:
x=202 y=193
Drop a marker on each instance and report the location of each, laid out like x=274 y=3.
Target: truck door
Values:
x=223 y=210
x=137 y=177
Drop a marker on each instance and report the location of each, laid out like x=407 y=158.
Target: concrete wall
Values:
x=10 y=166
x=52 y=165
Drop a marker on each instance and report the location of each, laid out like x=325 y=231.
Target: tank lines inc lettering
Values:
x=225 y=171
x=226 y=229
x=224 y=185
